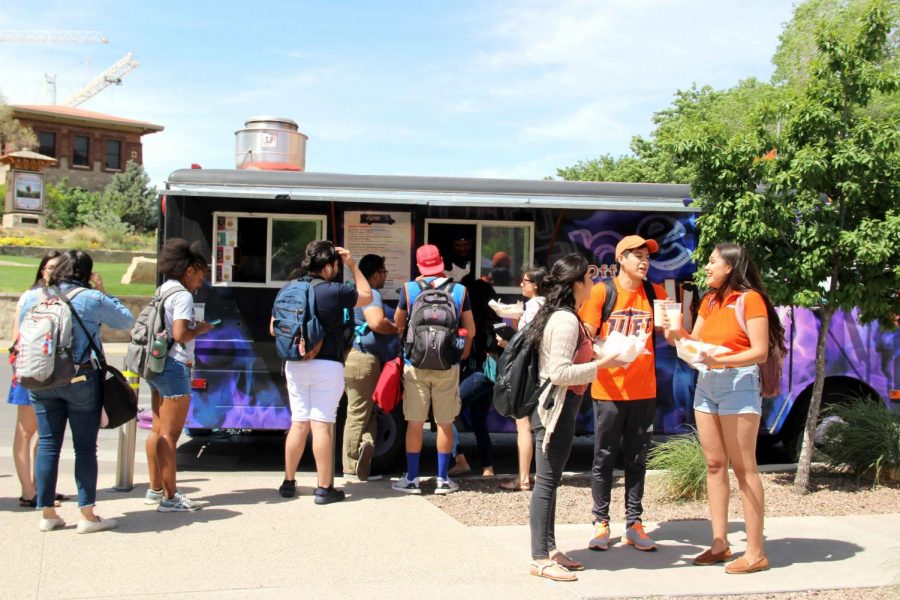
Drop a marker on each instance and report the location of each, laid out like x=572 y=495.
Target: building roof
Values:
x=78 y=116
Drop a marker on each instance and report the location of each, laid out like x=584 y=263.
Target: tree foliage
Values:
x=131 y=196
x=13 y=133
x=821 y=217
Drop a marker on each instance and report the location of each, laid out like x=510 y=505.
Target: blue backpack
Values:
x=298 y=332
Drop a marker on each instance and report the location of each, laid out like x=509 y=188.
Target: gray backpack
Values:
x=150 y=342
x=43 y=351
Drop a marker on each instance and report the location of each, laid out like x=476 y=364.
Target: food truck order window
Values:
x=500 y=249
x=260 y=250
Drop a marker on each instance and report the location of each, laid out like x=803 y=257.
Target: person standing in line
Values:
x=532 y=288
x=727 y=401
x=184 y=268
x=625 y=395
x=425 y=389
x=372 y=347
x=77 y=403
x=565 y=359
x=315 y=386
x=26 y=421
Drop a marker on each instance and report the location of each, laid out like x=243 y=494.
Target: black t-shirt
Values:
x=331 y=300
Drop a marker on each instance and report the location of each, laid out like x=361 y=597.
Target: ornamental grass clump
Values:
x=681 y=458
x=864 y=439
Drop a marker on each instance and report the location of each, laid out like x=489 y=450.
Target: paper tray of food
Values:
x=507 y=311
x=694 y=352
x=625 y=348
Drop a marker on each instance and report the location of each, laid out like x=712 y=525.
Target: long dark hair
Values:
x=564 y=273
x=318 y=255
x=74 y=267
x=39 y=276
x=744 y=276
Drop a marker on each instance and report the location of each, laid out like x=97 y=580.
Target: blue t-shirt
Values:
x=379 y=344
x=411 y=289
x=331 y=300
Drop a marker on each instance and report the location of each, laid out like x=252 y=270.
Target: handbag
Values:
x=389 y=389
x=119 y=401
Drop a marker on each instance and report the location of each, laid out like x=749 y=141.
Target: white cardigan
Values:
x=558 y=347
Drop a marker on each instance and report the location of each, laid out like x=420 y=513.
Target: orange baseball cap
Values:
x=630 y=242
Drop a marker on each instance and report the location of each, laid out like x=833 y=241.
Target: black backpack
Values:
x=517 y=388
x=431 y=339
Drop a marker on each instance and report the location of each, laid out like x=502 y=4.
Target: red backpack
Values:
x=389 y=389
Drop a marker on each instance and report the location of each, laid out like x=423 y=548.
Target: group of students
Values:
x=563 y=315
x=46 y=412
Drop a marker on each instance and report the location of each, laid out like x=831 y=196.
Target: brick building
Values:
x=89 y=147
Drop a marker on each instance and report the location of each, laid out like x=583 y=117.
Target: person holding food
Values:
x=727 y=402
x=625 y=395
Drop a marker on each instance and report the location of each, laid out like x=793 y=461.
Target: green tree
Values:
x=825 y=224
x=131 y=196
x=12 y=133
x=70 y=207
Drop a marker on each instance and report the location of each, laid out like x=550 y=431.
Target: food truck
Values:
x=255 y=224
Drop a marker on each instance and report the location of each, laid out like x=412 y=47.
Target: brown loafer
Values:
x=711 y=558
x=742 y=567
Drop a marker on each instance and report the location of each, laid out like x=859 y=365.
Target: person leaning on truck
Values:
x=625 y=396
x=373 y=345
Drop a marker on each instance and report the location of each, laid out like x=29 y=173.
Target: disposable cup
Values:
x=659 y=307
x=673 y=310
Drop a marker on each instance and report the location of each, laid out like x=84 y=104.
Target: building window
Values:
x=47 y=141
x=113 y=154
x=81 y=145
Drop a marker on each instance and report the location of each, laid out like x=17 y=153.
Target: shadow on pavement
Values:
x=144 y=521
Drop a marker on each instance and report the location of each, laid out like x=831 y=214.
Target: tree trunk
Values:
x=801 y=481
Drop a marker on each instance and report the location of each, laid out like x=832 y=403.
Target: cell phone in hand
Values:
x=504 y=330
x=215 y=322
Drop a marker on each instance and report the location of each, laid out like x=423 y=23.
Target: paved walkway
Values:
x=250 y=543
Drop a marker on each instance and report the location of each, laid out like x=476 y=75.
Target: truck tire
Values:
x=390 y=440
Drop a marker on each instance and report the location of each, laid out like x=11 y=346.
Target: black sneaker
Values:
x=364 y=464
x=288 y=489
x=328 y=495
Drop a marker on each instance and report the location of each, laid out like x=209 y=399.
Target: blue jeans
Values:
x=79 y=404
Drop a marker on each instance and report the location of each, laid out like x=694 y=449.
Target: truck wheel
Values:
x=390 y=440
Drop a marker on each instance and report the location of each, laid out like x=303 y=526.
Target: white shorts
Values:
x=315 y=388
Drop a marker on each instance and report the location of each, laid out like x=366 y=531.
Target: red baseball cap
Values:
x=630 y=242
x=429 y=261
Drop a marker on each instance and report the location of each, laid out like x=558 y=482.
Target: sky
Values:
x=509 y=89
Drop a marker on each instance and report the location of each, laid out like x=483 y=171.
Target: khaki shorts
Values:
x=424 y=388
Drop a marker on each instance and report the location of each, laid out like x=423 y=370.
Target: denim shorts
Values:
x=729 y=391
x=175 y=380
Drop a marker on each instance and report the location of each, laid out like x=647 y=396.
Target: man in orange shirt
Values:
x=624 y=397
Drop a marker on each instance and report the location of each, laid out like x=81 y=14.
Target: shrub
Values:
x=681 y=457
x=70 y=207
x=83 y=238
x=22 y=241
x=865 y=438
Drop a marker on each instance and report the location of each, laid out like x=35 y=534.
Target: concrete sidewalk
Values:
x=250 y=543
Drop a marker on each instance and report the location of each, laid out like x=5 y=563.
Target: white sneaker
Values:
x=51 y=523
x=85 y=526
x=445 y=486
x=407 y=486
x=178 y=503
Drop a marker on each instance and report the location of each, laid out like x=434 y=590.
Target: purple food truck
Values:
x=255 y=225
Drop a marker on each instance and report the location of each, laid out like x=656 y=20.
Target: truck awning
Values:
x=436 y=191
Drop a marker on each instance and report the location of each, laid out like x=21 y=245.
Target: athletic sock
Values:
x=412 y=465
x=444 y=465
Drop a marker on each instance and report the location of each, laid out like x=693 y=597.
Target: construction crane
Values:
x=52 y=37
x=111 y=76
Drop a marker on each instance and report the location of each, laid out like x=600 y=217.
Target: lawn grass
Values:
x=17 y=279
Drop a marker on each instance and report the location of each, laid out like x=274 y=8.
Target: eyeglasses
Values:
x=524 y=281
x=384 y=271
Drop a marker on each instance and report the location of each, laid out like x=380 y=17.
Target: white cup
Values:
x=659 y=307
x=673 y=311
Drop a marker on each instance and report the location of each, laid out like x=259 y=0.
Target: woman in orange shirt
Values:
x=727 y=403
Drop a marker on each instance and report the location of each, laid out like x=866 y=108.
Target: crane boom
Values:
x=52 y=37
x=110 y=76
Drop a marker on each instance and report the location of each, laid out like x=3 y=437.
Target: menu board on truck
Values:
x=387 y=234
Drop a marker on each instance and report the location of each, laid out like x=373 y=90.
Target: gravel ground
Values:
x=480 y=502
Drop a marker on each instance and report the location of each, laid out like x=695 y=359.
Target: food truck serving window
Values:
x=496 y=251
x=260 y=250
